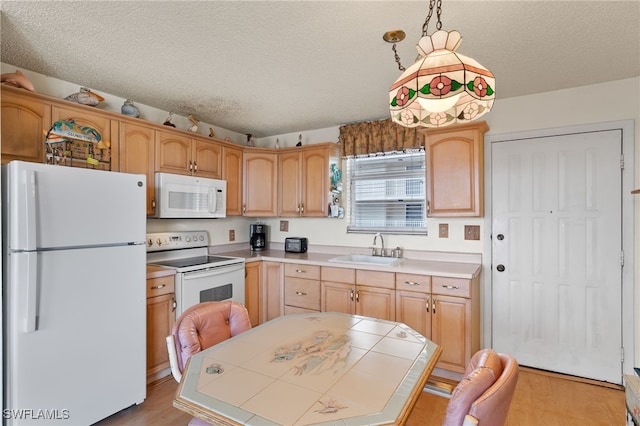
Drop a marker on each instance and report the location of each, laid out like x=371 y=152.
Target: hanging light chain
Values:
x=438 y=14
x=395 y=54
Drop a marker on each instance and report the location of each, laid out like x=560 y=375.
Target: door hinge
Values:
x=622 y=162
x=622 y=354
x=622 y=258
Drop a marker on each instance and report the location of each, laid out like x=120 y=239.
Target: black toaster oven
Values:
x=295 y=245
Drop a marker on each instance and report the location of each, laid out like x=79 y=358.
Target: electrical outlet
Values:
x=443 y=230
x=284 y=225
x=471 y=232
x=232 y=235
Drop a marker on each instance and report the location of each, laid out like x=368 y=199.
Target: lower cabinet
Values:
x=161 y=312
x=343 y=290
x=445 y=310
x=301 y=288
x=252 y=285
x=272 y=297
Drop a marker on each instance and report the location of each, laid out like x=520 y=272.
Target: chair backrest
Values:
x=486 y=391
x=202 y=326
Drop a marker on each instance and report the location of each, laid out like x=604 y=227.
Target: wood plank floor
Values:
x=540 y=399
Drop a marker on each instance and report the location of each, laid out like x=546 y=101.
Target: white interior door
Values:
x=556 y=250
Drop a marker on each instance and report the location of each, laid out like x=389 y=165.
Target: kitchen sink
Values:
x=364 y=259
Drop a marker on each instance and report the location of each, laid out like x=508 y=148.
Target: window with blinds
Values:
x=387 y=193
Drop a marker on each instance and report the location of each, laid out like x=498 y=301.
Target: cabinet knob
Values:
x=158 y=287
x=299 y=293
x=451 y=287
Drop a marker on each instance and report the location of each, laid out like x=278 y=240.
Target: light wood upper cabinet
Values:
x=455 y=170
x=184 y=155
x=99 y=120
x=137 y=155
x=232 y=173
x=303 y=180
x=25 y=122
x=260 y=180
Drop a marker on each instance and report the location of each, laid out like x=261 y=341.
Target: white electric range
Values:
x=200 y=277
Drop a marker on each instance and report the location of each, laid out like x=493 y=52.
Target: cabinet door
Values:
x=414 y=310
x=272 y=296
x=252 y=281
x=100 y=121
x=260 y=196
x=289 y=169
x=376 y=302
x=450 y=328
x=173 y=153
x=160 y=320
x=207 y=159
x=337 y=297
x=455 y=165
x=25 y=122
x=232 y=173
x=315 y=183
x=137 y=155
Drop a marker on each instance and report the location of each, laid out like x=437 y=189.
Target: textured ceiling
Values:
x=270 y=68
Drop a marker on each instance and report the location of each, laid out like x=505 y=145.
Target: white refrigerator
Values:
x=74 y=302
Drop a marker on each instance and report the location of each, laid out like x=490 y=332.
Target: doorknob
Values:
x=500 y=237
x=500 y=268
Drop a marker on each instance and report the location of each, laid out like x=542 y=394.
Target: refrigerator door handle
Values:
x=30 y=209
x=26 y=270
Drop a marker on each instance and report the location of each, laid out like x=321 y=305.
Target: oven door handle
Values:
x=211 y=272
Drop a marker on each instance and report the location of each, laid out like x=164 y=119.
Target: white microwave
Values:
x=179 y=196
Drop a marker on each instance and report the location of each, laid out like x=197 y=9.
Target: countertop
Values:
x=463 y=270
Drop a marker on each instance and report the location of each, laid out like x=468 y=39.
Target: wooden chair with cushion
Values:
x=484 y=395
x=200 y=327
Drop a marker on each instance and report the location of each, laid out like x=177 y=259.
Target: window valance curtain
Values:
x=371 y=137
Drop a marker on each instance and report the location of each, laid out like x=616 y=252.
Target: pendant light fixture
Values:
x=442 y=87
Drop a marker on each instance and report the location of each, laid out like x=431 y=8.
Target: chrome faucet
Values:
x=375 y=237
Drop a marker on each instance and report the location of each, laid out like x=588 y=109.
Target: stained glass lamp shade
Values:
x=442 y=87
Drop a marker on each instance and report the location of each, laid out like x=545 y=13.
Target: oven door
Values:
x=211 y=284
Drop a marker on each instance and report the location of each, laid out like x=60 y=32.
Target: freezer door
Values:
x=85 y=358
x=54 y=206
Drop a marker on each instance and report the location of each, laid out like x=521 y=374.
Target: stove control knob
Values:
x=188 y=239
x=159 y=241
x=201 y=238
x=150 y=242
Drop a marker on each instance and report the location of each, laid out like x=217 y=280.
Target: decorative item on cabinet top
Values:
x=17 y=79
x=128 y=108
x=85 y=97
x=69 y=144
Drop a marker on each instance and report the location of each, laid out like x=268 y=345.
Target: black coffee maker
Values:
x=258 y=236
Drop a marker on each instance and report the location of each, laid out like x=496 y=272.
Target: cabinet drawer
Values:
x=161 y=285
x=376 y=279
x=413 y=282
x=311 y=272
x=451 y=286
x=339 y=275
x=302 y=293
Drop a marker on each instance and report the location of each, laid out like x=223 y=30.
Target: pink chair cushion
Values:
x=485 y=358
x=205 y=324
x=466 y=392
x=492 y=407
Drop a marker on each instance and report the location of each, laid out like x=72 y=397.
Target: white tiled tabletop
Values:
x=308 y=369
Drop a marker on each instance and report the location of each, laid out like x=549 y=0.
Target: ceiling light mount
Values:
x=442 y=87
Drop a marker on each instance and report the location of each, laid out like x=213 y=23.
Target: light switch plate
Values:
x=443 y=230
x=472 y=232
x=284 y=225
x=232 y=235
